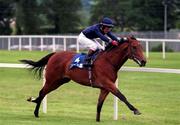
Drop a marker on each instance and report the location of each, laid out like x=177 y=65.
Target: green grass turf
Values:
x=155 y=95
x=15 y=56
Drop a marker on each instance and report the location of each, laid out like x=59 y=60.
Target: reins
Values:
x=131 y=52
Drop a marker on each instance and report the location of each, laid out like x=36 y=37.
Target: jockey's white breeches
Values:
x=89 y=43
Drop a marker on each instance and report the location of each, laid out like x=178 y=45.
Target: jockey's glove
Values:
x=114 y=43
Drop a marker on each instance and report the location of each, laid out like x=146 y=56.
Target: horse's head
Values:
x=135 y=51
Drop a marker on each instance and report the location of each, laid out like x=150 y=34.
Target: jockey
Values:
x=101 y=30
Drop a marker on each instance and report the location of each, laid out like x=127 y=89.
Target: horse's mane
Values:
x=109 y=47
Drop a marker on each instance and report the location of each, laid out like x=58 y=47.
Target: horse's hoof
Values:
x=36 y=115
x=30 y=99
x=136 y=112
x=97 y=120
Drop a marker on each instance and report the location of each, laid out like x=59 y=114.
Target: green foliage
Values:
x=147 y=15
x=33 y=16
x=177 y=6
x=27 y=17
x=70 y=16
x=136 y=14
x=114 y=9
x=5 y=17
x=62 y=14
x=150 y=14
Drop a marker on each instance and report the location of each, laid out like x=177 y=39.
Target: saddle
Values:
x=80 y=59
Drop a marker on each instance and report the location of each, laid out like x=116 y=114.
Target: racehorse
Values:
x=104 y=72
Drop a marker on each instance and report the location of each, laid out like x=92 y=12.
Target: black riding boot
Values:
x=88 y=59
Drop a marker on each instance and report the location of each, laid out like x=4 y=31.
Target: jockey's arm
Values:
x=113 y=37
x=102 y=37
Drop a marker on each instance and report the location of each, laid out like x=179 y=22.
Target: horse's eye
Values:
x=134 y=47
x=125 y=49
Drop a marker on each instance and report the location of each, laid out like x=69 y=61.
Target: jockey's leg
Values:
x=88 y=60
x=93 y=47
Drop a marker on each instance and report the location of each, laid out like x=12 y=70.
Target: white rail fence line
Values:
x=54 y=46
x=147 y=41
x=132 y=69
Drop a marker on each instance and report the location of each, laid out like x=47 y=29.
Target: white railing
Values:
x=133 y=69
x=54 y=44
x=163 y=41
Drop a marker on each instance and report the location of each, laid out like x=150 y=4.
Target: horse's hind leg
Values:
x=102 y=96
x=48 y=87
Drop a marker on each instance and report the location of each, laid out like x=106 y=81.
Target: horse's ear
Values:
x=133 y=37
x=125 y=39
x=122 y=39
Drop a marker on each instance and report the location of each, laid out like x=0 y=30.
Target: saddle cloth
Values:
x=78 y=60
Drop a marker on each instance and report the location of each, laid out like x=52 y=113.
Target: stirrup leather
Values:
x=88 y=62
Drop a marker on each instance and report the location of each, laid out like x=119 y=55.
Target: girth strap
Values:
x=90 y=76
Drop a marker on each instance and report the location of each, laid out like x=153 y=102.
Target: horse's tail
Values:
x=38 y=66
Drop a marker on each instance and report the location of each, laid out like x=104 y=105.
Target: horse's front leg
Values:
x=102 y=96
x=115 y=91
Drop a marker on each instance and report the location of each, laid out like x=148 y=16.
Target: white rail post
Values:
x=116 y=104
x=64 y=43
x=54 y=44
x=44 y=107
x=147 y=49
x=77 y=45
x=41 y=44
x=9 y=43
x=20 y=43
x=163 y=49
x=30 y=43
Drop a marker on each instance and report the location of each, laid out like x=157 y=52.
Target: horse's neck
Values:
x=117 y=57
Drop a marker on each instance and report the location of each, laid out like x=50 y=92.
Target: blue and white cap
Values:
x=107 y=22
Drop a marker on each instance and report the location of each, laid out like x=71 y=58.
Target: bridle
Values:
x=131 y=52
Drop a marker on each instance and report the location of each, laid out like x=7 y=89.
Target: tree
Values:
x=27 y=20
x=63 y=15
x=177 y=11
x=135 y=14
x=5 y=17
x=149 y=15
x=115 y=9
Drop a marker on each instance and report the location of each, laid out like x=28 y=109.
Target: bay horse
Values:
x=104 y=72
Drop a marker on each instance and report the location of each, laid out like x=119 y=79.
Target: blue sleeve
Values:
x=101 y=36
x=113 y=37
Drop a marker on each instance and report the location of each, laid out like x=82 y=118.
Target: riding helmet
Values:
x=107 y=22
